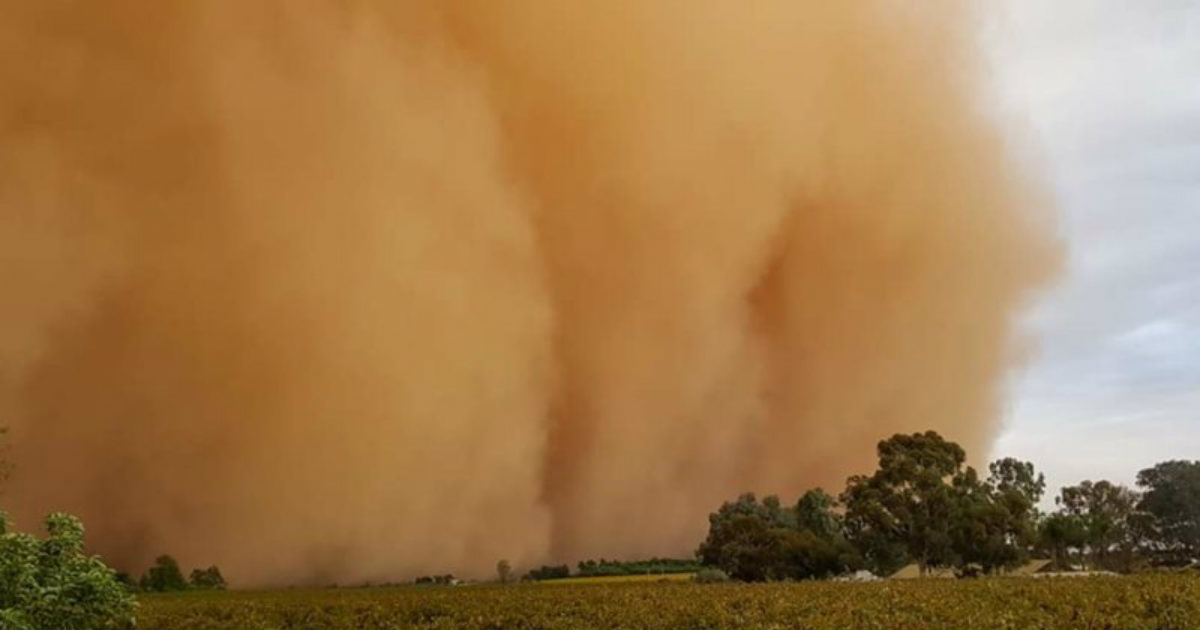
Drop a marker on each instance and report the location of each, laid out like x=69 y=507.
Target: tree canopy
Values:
x=1171 y=498
x=163 y=576
x=909 y=504
x=923 y=504
x=51 y=584
x=207 y=579
x=756 y=541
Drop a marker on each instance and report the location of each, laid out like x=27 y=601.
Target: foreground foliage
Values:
x=51 y=583
x=1149 y=601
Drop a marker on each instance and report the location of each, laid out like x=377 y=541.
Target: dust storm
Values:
x=337 y=291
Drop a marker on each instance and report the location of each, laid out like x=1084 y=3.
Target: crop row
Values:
x=1131 y=603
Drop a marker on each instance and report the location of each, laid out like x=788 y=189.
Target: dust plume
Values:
x=361 y=290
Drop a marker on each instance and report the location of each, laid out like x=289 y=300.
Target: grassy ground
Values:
x=1162 y=602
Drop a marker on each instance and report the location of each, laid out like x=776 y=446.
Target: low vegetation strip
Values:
x=619 y=579
x=1132 y=603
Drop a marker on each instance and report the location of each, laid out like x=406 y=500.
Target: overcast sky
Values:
x=1110 y=91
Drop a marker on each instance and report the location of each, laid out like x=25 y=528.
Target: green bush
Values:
x=51 y=584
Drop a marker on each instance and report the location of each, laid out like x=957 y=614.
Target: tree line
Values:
x=603 y=568
x=165 y=575
x=924 y=505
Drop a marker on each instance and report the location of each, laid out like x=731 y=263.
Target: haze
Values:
x=345 y=291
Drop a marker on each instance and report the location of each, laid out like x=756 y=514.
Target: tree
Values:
x=1172 y=501
x=727 y=523
x=51 y=584
x=752 y=541
x=1107 y=512
x=871 y=527
x=995 y=520
x=163 y=576
x=808 y=556
x=1004 y=513
x=909 y=504
x=815 y=513
x=745 y=549
x=1018 y=480
x=207 y=579
x=503 y=570
x=1063 y=536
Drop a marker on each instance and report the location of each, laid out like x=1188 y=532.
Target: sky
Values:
x=1105 y=96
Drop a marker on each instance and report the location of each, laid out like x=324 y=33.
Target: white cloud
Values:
x=1112 y=90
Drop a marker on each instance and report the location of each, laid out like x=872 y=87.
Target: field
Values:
x=1143 y=602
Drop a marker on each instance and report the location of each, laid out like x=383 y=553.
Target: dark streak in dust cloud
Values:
x=358 y=290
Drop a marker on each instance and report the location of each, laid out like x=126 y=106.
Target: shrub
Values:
x=51 y=584
x=710 y=576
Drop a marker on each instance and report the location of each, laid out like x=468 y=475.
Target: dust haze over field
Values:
x=360 y=290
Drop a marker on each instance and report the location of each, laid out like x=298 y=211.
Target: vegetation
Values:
x=1138 y=602
x=427 y=580
x=643 y=578
x=924 y=505
x=1171 y=504
x=614 y=568
x=503 y=571
x=710 y=576
x=591 y=568
x=1096 y=527
x=51 y=584
x=163 y=576
x=753 y=541
x=549 y=572
x=207 y=579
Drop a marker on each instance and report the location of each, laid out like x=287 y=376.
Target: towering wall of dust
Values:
x=359 y=290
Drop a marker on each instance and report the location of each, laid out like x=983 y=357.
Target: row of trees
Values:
x=548 y=572
x=602 y=567
x=445 y=579
x=653 y=566
x=923 y=505
x=164 y=575
x=1103 y=525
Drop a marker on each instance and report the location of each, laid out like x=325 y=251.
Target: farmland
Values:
x=1146 y=601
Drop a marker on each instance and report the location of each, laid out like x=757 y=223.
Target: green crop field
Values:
x=1130 y=603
